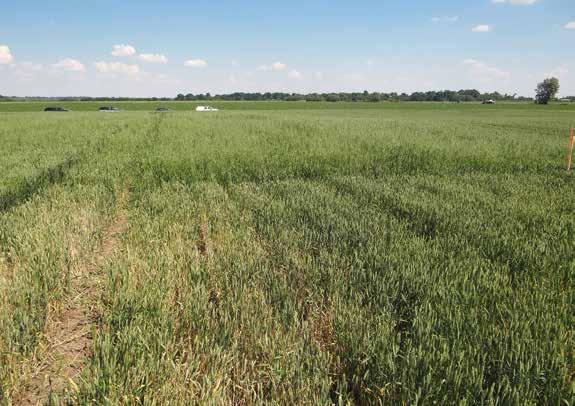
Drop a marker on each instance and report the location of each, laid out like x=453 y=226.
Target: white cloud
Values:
x=445 y=19
x=153 y=58
x=123 y=50
x=5 y=55
x=484 y=72
x=70 y=65
x=481 y=28
x=516 y=2
x=117 y=68
x=294 y=74
x=196 y=63
x=570 y=25
x=276 y=66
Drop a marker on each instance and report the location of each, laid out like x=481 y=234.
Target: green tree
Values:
x=546 y=90
x=374 y=97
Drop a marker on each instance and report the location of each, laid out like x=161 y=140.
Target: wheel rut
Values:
x=67 y=340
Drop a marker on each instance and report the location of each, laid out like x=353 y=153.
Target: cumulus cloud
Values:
x=117 y=68
x=5 y=55
x=123 y=50
x=482 y=28
x=516 y=2
x=153 y=58
x=276 y=66
x=481 y=71
x=195 y=63
x=70 y=65
x=445 y=19
x=570 y=25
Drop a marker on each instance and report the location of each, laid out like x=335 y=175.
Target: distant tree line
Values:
x=472 y=95
x=430 y=96
x=83 y=98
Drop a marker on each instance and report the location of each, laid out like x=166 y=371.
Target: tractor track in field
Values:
x=46 y=177
x=426 y=224
x=67 y=340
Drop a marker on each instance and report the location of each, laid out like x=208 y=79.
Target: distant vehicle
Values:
x=489 y=102
x=206 y=108
x=108 y=109
x=162 y=109
x=58 y=109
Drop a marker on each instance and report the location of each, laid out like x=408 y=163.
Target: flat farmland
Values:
x=287 y=253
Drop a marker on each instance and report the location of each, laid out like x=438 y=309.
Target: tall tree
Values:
x=546 y=90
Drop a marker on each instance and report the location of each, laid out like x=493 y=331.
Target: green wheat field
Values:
x=287 y=253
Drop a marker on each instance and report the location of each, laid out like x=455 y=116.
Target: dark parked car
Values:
x=59 y=109
x=108 y=109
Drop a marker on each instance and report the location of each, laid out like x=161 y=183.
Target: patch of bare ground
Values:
x=204 y=244
x=67 y=339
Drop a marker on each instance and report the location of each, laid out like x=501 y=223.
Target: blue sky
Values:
x=161 y=48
